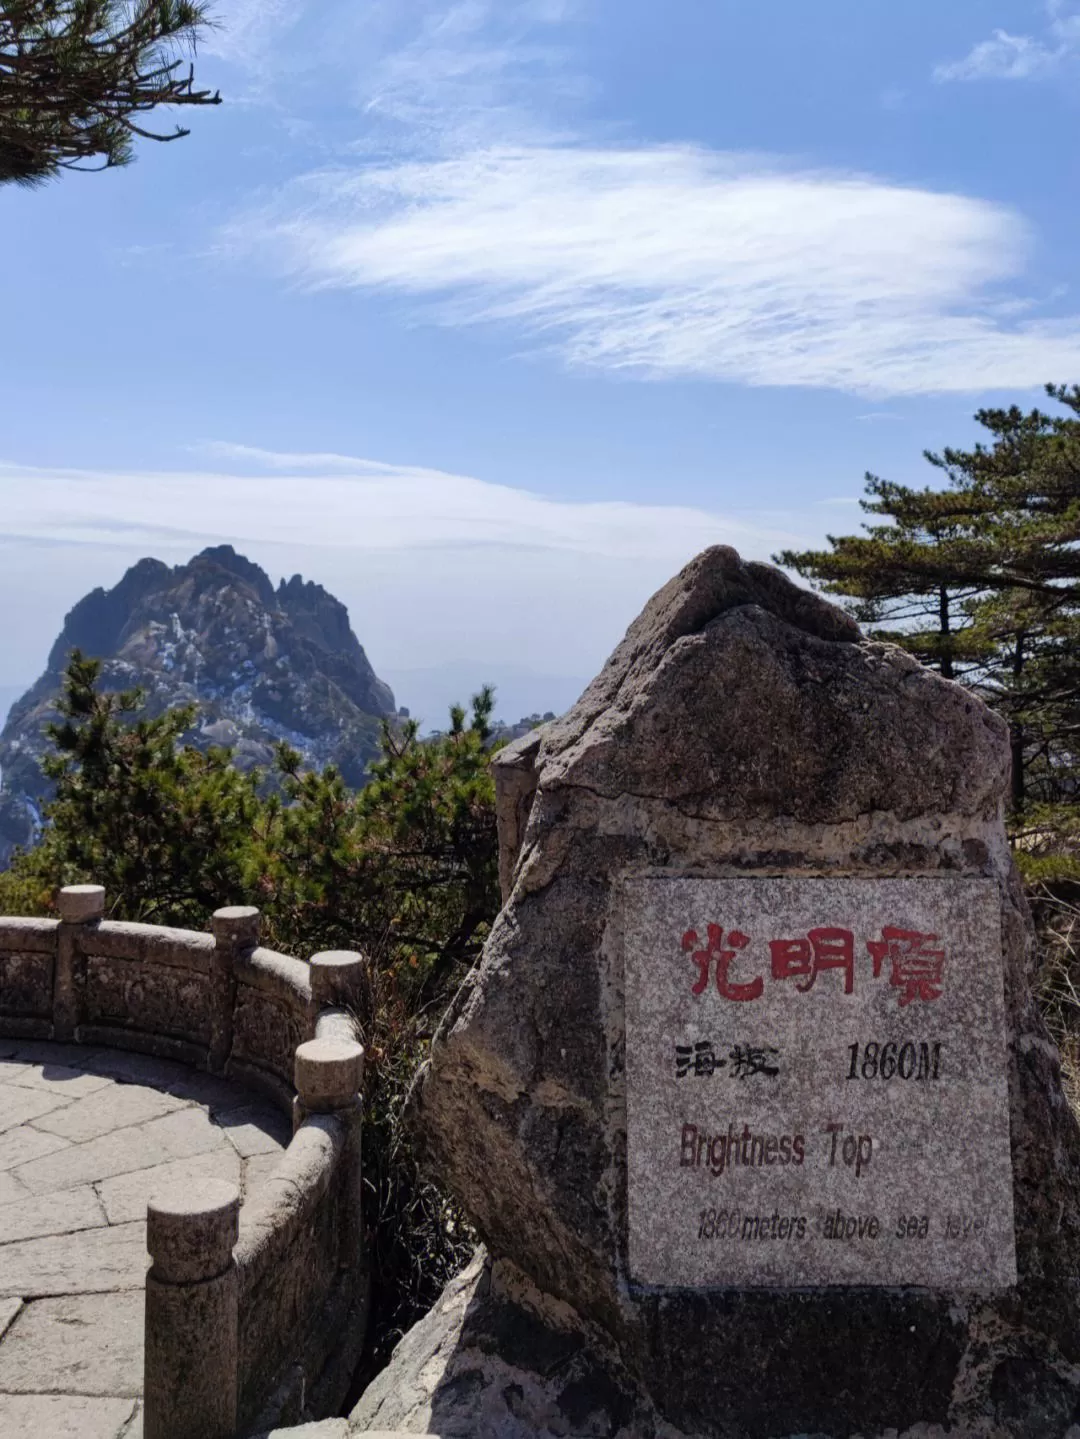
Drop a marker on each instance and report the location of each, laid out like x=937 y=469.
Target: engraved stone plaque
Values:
x=816 y=1083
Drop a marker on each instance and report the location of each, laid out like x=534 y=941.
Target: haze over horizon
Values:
x=487 y=317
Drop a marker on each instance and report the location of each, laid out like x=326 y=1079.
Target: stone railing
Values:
x=255 y=1313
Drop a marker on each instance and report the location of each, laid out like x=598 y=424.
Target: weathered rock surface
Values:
x=742 y=727
x=261 y=663
x=496 y=1357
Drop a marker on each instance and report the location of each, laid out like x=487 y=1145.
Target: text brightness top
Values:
x=816 y=1083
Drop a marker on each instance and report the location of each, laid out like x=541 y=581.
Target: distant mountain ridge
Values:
x=262 y=664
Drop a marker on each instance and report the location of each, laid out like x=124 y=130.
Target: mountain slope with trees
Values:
x=259 y=664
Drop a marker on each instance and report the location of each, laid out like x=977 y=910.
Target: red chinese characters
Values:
x=715 y=951
x=916 y=961
x=821 y=949
x=917 y=968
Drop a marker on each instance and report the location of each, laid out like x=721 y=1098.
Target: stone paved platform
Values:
x=86 y=1136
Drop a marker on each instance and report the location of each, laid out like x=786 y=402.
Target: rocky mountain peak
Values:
x=261 y=664
x=224 y=557
x=324 y=618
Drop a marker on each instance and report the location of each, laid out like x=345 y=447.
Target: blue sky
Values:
x=489 y=313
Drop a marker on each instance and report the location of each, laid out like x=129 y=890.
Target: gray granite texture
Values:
x=825 y=1106
x=743 y=728
x=495 y=1359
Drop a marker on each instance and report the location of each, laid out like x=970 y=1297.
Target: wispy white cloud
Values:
x=420 y=73
x=1003 y=57
x=474 y=69
x=677 y=261
x=337 y=501
x=1019 y=57
x=300 y=461
x=433 y=566
x=663 y=262
x=246 y=31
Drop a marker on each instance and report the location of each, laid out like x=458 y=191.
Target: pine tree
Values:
x=165 y=828
x=407 y=867
x=77 y=76
x=982 y=578
x=903 y=577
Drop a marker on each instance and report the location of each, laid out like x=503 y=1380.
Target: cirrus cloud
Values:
x=1019 y=57
x=682 y=262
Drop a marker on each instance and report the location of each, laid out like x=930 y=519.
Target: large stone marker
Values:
x=749 y=1098
x=815 y=1083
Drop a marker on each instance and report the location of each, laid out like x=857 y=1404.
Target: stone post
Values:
x=336 y=979
x=327 y=1074
x=236 y=931
x=190 y=1369
x=79 y=905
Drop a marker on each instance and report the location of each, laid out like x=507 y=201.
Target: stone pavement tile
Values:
x=10 y=1067
x=94 y=1261
x=10 y=1191
x=187 y=1132
x=125 y=1197
x=58 y=1079
x=18 y=1106
x=76 y=1344
x=62 y=1416
x=62 y=1213
x=255 y=1129
x=18 y=1146
x=117 y=1153
x=134 y=1428
x=117 y=1107
x=258 y=1169
x=208 y=1090
x=8 y=1310
x=133 y=1068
